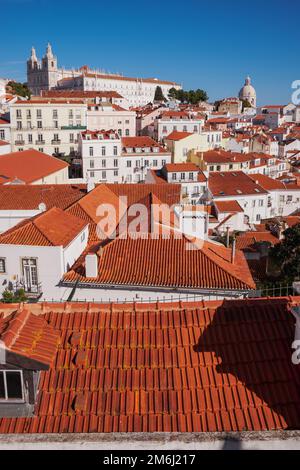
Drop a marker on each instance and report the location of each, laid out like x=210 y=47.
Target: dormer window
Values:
x=11 y=385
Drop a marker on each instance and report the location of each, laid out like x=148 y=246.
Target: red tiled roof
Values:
x=30 y=196
x=165 y=262
x=228 y=206
x=178 y=167
x=221 y=156
x=28 y=335
x=197 y=367
x=131 y=79
x=266 y=182
x=139 y=141
x=52 y=228
x=248 y=241
x=48 y=101
x=3 y=142
x=233 y=183
x=28 y=166
x=86 y=208
x=176 y=135
x=80 y=94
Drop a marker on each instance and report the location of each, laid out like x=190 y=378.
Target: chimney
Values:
x=296 y=313
x=233 y=250
x=90 y=185
x=91 y=265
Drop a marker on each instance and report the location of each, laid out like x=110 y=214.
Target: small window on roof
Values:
x=239 y=191
x=11 y=385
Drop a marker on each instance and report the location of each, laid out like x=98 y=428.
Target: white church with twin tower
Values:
x=45 y=75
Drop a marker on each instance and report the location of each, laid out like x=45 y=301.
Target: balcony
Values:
x=19 y=142
x=79 y=128
x=54 y=142
x=40 y=142
x=33 y=293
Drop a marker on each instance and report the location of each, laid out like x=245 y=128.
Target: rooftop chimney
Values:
x=91 y=265
x=90 y=185
x=233 y=250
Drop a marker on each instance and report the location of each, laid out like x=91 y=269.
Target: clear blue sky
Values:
x=202 y=44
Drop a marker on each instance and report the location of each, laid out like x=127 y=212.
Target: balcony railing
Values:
x=40 y=142
x=83 y=128
x=55 y=141
x=19 y=142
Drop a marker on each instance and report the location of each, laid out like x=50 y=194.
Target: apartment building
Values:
x=110 y=116
x=106 y=157
x=50 y=126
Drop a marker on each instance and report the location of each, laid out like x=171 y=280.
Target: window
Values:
x=54 y=113
x=83 y=237
x=115 y=150
x=196 y=129
x=28 y=114
x=103 y=151
x=120 y=132
x=55 y=124
x=55 y=137
x=258 y=217
x=71 y=138
x=39 y=124
x=115 y=162
x=91 y=150
x=56 y=150
x=184 y=128
x=164 y=129
x=2 y=265
x=116 y=172
x=39 y=113
x=103 y=163
x=191 y=176
x=128 y=163
x=218 y=168
x=19 y=124
x=253 y=203
x=127 y=121
x=92 y=164
x=19 y=113
x=163 y=162
x=155 y=163
x=127 y=132
x=2 y=135
x=40 y=137
x=92 y=174
x=103 y=175
x=211 y=168
x=182 y=176
x=261 y=203
x=11 y=385
x=30 y=138
x=174 y=176
x=29 y=126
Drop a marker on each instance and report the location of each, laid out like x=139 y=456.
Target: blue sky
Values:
x=202 y=44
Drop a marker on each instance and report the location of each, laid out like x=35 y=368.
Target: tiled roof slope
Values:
x=166 y=262
x=28 y=335
x=200 y=367
x=86 y=208
x=28 y=197
x=28 y=166
x=51 y=228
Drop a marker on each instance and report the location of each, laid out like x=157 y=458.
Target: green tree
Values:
x=172 y=93
x=191 y=96
x=246 y=104
x=20 y=89
x=9 y=296
x=159 y=96
x=287 y=253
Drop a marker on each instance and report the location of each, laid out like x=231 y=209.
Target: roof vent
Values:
x=42 y=207
x=91 y=265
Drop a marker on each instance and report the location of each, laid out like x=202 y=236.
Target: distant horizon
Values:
x=212 y=47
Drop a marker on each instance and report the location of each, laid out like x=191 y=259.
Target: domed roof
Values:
x=248 y=91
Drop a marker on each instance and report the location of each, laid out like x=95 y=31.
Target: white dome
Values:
x=248 y=92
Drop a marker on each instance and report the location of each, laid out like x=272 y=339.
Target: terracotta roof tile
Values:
x=28 y=166
x=161 y=262
x=29 y=197
x=202 y=389
x=51 y=228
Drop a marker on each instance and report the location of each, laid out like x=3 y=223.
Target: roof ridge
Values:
x=14 y=327
x=209 y=253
